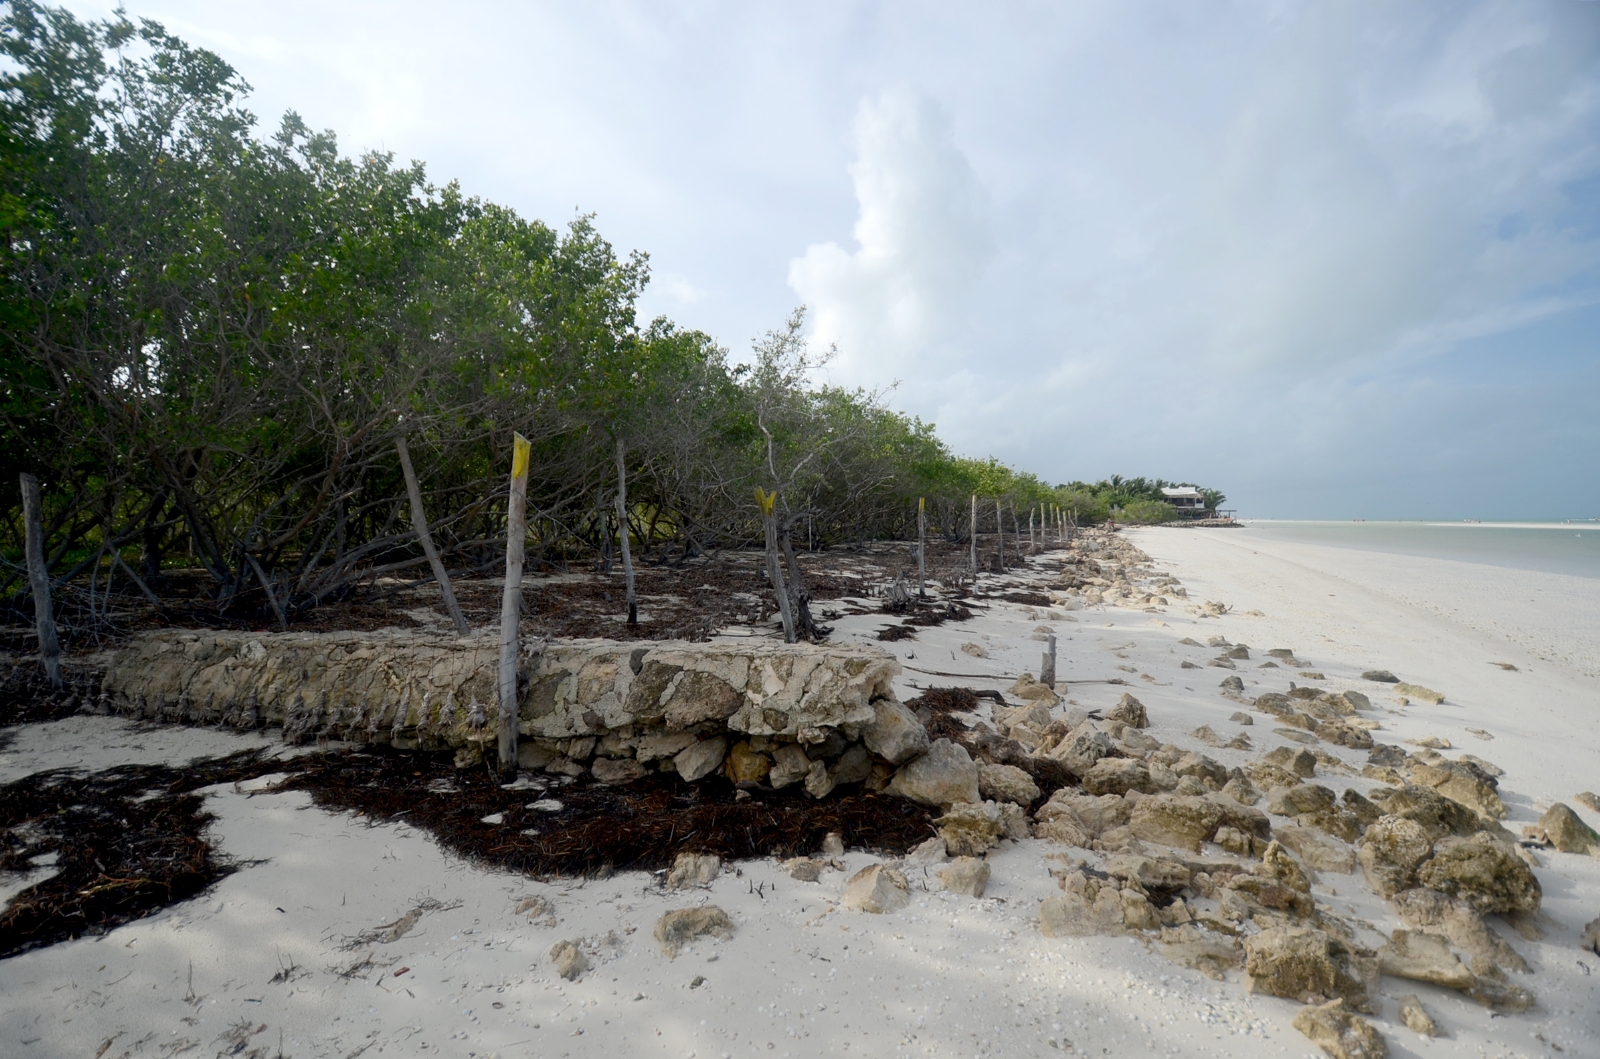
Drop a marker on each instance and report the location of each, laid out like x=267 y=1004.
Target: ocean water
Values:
x=1552 y=547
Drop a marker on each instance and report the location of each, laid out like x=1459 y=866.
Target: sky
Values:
x=1336 y=260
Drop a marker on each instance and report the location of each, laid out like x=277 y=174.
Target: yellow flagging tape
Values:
x=922 y=503
x=766 y=501
x=520 y=450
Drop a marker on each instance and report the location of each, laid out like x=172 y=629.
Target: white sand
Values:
x=949 y=976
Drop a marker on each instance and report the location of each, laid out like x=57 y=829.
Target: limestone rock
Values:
x=1390 y=853
x=1240 y=717
x=616 y=770
x=660 y=745
x=569 y=960
x=1589 y=800
x=1339 y=1033
x=1303 y=798
x=1301 y=762
x=1486 y=874
x=1014 y=821
x=679 y=927
x=1381 y=676
x=693 y=869
x=1309 y=965
x=1423 y=957
x=1567 y=831
x=1438 y=815
x=804 y=869
x=1175 y=820
x=1118 y=775
x=1242 y=817
x=789 y=764
x=1242 y=791
x=1065 y=829
x=746 y=764
x=1459 y=922
x=1030 y=690
x=853 y=766
x=819 y=781
x=1418 y=692
x=1416 y=1017
x=877 y=888
x=1461 y=784
x=1202 y=768
x=976 y=650
x=1130 y=711
x=895 y=733
x=701 y=759
x=1207 y=953
x=1317 y=850
x=1006 y=783
x=1082 y=747
x=1096 y=814
x=965 y=875
x=1277 y=865
x=970 y=829
x=946 y=774
x=1089 y=906
x=1341 y=734
x=1493 y=991
x=1591 y=935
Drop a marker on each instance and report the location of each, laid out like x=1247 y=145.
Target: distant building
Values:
x=1191 y=503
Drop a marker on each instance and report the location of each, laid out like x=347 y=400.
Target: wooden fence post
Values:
x=999 y=534
x=972 y=537
x=44 y=619
x=622 y=530
x=511 y=603
x=922 y=547
x=419 y=522
x=769 y=519
x=1047 y=665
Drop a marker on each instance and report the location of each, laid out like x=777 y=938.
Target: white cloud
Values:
x=922 y=240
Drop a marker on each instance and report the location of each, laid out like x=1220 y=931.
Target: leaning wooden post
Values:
x=419 y=522
x=922 y=547
x=622 y=530
x=972 y=536
x=511 y=603
x=44 y=618
x=1047 y=665
x=768 y=504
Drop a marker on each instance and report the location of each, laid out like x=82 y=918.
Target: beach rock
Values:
x=1308 y=965
x=1209 y=954
x=1357 y=700
x=1097 y=814
x=701 y=759
x=895 y=733
x=1162 y=874
x=1304 y=798
x=877 y=888
x=1202 y=768
x=1065 y=829
x=1130 y=711
x=679 y=927
x=569 y=960
x=1390 y=853
x=1030 y=690
x=1006 y=783
x=819 y=781
x=1494 y=991
x=965 y=875
x=946 y=774
x=1118 y=775
x=1242 y=817
x=853 y=766
x=1301 y=762
x=1241 y=791
x=1416 y=1017
x=1235 y=841
x=1423 y=957
x=1014 y=821
x=789 y=763
x=833 y=845
x=1175 y=820
x=976 y=650
x=747 y=765
x=1277 y=865
x=1589 y=800
x=970 y=829
x=1438 y=815
x=1591 y=936
x=1459 y=922
x=660 y=745
x=1233 y=684
x=1317 y=850
x=1381 y=676
x=804 y=869
x=1240 y=717
x=1339 y=1033
x=1567 y=831
x=1418 y=692
x=693 y=869
x=1462 y=784
x=1089 y=906
x=616 y=770
x=1486 y=874
x=1084 y=746
x=1341 y=734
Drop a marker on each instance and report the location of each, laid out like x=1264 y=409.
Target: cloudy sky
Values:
x=1336 y=259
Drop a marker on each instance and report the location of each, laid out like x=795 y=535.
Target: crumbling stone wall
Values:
x=785 y=713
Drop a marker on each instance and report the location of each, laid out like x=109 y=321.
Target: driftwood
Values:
x=419 y=520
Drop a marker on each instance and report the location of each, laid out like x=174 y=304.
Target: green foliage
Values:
x=1145 y=512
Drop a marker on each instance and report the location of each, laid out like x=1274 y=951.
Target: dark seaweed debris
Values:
x=601 y=829
x=128 y=842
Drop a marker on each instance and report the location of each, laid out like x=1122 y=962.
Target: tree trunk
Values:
x=1033 y=548
x=419 y=522
x=769 y=520
x=622 y=530
x=805 y=627
x=44 y=619
x=511 y=604
x=972 y=536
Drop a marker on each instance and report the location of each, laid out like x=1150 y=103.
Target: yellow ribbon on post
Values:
x=520 y=452
x=766 y=501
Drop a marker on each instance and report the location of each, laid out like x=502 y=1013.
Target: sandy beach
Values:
x=339 y=937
